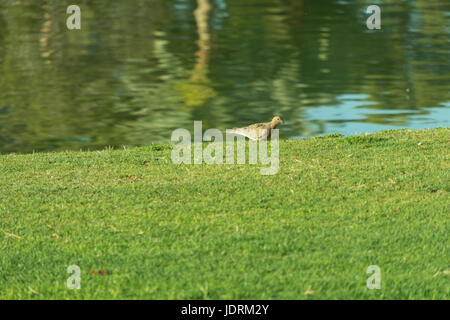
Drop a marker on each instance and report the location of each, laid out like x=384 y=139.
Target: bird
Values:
x=257 y=131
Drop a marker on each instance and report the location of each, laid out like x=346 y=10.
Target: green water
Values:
x=137 y=70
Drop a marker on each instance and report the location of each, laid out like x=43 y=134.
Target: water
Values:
x=137 y=70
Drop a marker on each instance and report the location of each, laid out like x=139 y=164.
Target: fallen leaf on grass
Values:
x=101 y=272
x=32 y=291
x=308 y=291
x=8 y=235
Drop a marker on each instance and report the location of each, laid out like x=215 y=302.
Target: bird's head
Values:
x=276 y=121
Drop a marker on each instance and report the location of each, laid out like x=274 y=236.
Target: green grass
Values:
x=336 y=206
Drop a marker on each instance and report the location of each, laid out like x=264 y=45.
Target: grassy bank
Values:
x=336 y=206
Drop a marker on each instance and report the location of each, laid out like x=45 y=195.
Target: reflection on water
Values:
x=356 y=114
x=138 y=70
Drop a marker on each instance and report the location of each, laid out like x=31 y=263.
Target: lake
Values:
x=137 y=70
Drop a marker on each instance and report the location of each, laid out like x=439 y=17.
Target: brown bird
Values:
x=258 y=131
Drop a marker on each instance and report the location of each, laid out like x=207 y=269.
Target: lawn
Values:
x=165 y=231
